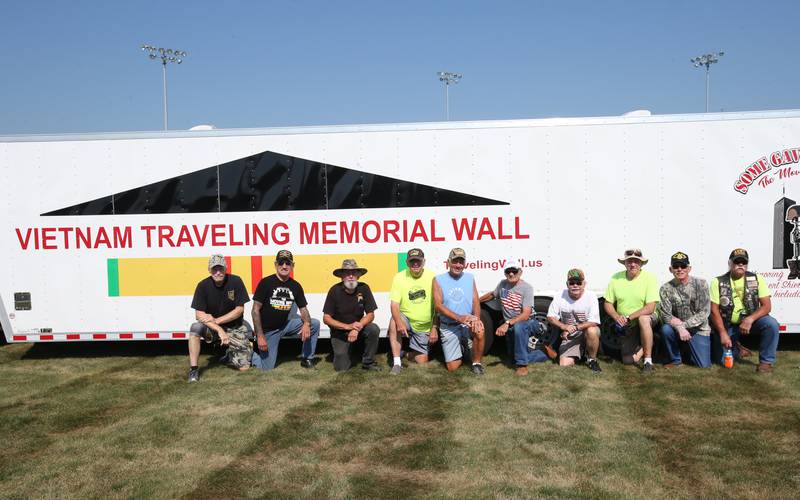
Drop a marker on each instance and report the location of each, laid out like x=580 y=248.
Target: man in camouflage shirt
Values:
x=684 y=308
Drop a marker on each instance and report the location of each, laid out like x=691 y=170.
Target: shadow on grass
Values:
x=368 y=435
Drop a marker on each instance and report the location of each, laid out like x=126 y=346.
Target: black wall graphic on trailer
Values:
x=268 y=182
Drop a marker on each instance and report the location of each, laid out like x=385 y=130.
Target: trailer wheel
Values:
x=488 y=329
x=611 y=343
x=540 y=307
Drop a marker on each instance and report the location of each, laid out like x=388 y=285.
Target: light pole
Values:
x=707 y=60
x=448 y=79
x=166 y=56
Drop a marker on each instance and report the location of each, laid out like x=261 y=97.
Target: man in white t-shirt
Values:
x=576 y=314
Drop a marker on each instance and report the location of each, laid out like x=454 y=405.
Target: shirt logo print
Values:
x=282 y=299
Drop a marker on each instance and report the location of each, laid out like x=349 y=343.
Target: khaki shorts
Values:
x=572 y=347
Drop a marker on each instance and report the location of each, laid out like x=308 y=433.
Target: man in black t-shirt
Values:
x=219 y=305
x=349 y=311
x=275 y=301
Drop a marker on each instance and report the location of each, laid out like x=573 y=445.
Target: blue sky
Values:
x=78 y=67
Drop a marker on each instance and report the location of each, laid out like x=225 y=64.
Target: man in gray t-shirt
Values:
x=516 y=300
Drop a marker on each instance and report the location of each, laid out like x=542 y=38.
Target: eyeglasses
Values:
x=218 y=270
x=633 y=252
x=575 y=282
x=511 y=271
x=284 y=262
x=680 y=266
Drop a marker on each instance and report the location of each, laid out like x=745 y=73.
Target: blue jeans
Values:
x=517 y=343
x=266 y=360
x=767 y=326
x=699 y=345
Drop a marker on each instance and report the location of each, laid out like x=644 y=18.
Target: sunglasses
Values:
x=740 y=261
x=575 y=282
x=634 y=252
x=679 y=266
x=284 y=262
x=511 y=271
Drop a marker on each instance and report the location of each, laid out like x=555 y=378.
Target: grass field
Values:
x=119 y=420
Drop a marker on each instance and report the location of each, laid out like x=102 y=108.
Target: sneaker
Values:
x=764 y=368
x=648 y=369
x=372 y=367
x=477 y=369
x=308 y=364
x=522 y=371
x=194 y=375
x=396 y=370
x=594 y=365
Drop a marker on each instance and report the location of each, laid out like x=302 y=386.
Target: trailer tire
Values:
x=488 y=330
x=610 y=342
x=540 y=307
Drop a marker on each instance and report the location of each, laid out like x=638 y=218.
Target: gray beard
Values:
x=350 y=285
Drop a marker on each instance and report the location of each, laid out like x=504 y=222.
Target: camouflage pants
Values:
x=240 y=348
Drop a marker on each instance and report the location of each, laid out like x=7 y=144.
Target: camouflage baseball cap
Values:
x=575 y=274
x=415 y=254
x=457 y=253
x=284 y=254
x=679 y=259
x=217 y=260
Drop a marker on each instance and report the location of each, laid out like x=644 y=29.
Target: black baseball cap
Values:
x=284 y=254
x=740 y=254
x=679 y=258
x=415 y=254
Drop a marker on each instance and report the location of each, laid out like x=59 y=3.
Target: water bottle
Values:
x=727 y=358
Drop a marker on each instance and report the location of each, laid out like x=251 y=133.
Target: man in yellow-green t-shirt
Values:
x=411 y=299
x=740 y=304
x=631 y=299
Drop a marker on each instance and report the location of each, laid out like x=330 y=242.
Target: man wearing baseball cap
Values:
x=519 y=326
x=455 y=297
x=219 y=305
x=683 y=309
x=276 y=301
x=576 y=313
x=630 y=299
x=740 y=304
x=349 y=311
x=411 y=302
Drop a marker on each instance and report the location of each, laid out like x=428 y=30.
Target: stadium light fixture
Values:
x=448 y=79
x=165 y=56
x=707 y=60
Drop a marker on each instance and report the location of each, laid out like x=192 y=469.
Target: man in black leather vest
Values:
x=740 y=304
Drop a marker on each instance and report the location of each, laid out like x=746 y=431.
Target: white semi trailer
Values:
x=104 y=236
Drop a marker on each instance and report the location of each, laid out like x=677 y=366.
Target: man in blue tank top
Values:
x=455 y=298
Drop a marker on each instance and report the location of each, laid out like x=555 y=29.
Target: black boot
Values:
x=794 y=268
